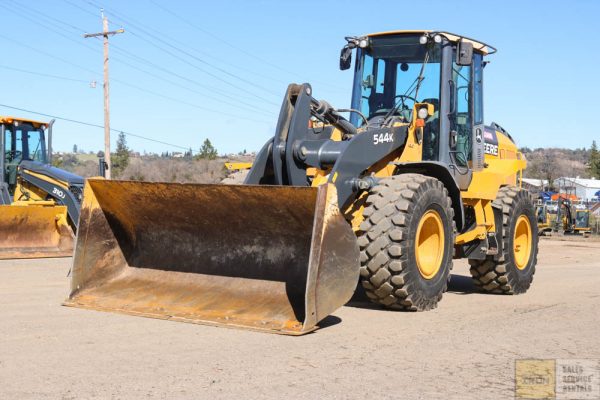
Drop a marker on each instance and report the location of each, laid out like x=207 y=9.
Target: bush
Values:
x=175 y=170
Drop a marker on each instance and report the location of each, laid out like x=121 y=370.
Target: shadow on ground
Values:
x=328 y=321
x=461 y=284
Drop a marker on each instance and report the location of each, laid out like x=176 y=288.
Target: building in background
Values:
x=535 y=186
x=584 y=189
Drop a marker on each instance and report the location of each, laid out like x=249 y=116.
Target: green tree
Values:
x=75 y=149
x=207 y=151
x=594 y=161
x=120 y=159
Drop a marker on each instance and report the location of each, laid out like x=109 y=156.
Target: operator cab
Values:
x=396 y=71
x=582 y=219
x=22 y=140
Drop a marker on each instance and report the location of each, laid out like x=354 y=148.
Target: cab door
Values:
x=464 y=122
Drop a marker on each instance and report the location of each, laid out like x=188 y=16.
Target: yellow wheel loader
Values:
x=387 y=197
x=39 y=204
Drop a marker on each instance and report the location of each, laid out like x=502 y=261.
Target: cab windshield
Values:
x=396 y=72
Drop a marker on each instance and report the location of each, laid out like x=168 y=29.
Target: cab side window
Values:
x=477 y=89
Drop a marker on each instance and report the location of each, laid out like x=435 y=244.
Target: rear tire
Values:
x=513 y=273
x=406 y=242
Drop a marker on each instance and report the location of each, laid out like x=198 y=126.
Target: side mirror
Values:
x=464 y=53
x=345 y=58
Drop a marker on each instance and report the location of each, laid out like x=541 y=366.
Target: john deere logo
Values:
x=478 y=136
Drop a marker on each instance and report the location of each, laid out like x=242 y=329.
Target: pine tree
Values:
x=120 y=159
x=207 y=151
x=594 y=161
x=75 y=149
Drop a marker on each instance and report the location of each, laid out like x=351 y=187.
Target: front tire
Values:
x=406 y=242
x=513 y=273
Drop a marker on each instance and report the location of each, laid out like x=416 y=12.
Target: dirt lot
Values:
x=464 y=349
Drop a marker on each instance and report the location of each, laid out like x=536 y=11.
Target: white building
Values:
x=584 y=189
x=535 y=185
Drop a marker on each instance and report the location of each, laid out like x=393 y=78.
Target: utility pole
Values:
x=106 y=33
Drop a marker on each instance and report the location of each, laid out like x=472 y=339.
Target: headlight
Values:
x=363 y=43
x=423 y=39
x=423 y=113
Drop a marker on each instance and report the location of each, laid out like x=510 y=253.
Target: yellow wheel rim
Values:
x=429 y=244
x=522 y=242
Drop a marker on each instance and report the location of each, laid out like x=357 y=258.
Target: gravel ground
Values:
x=464 y=349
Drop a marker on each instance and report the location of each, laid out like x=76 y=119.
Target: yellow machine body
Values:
x=504 y=168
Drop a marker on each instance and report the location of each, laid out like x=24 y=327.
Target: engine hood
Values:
x=52 y=172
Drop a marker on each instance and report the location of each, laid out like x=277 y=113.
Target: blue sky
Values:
x=189 y=70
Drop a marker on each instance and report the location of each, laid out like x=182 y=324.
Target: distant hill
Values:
x=542 y=163
x=552 y=163
x=154 y=168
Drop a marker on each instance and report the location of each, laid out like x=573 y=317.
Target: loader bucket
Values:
x=32 y=231
x=269 y=258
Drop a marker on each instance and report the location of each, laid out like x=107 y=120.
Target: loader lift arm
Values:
x=284 y=158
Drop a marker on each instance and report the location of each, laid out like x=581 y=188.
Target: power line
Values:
x=128 y=84
x=45 y=26
x=175 y=55
x=252 y=109
x=47 y=54
x=204 y=54
x=81 y=8
x=183 y=51
x=94 y=126
x=64 y=78
x=214 y=91
x=240 y=49
x=43 y=15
